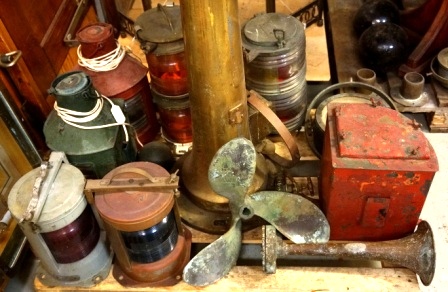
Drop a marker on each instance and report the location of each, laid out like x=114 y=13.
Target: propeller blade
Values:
x=215 y=260
x=232 y=170
x=294 y=216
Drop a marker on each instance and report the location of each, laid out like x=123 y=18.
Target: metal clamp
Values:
x=255 y=101
x=42 y=186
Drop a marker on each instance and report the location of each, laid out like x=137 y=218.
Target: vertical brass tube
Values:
x=217 y=91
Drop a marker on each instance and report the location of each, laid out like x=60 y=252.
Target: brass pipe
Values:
x=217 y=92
x=415 y=252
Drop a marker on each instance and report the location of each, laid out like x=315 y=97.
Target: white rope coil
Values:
x=104 y=63
x=75 y=118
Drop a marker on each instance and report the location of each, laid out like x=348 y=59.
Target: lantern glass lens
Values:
x=168 y=73
x=74 y=241
x=176 y=124
x=154 y=243
x=134 y=108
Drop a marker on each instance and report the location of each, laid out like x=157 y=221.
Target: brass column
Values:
x=218 y=103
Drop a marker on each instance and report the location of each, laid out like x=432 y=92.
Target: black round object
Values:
x=383 y=47
x=373 y=12
x=157 y=152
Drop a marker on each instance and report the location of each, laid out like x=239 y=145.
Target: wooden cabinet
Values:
x=37 y=29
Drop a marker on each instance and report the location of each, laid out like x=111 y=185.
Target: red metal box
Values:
x=377 y=168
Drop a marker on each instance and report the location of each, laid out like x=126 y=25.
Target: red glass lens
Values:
x=74 y=241
x=176 y=124
x=168 y=73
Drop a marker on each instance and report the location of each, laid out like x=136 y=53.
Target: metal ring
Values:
x=321 y=96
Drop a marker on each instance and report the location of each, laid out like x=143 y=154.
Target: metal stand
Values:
x=311 y=13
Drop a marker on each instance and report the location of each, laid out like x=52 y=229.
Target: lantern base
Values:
x=179 y=148
x=165 y=272
x=208 y=221
x=86 y=272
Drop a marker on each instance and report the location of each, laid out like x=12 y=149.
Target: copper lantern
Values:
x=151 y=245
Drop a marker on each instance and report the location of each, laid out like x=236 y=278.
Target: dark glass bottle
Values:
x=374 y=12
x=383 y=47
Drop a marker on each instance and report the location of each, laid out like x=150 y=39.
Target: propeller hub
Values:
x=246 y=212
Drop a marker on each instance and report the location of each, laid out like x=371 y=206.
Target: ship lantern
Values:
x=50 y=206
x=274 y=51
x=118 y=75
x=159 y=31
x=175 y=117
x=150 y=243
x=89 y=128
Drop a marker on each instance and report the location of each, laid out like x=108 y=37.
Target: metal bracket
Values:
x=311 y=13
x=42 y=186
x=145 y=183
x=69 y=37
x=236 y=115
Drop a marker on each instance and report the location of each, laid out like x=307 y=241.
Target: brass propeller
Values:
x=230 y=174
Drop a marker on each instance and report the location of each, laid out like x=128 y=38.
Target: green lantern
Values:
x=89 y=128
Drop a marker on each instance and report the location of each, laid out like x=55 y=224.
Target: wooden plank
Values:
x=252 y=236
x=243 y=278
x=22 y=78
x=441 y=93
x=438 y=121
x=317 y=60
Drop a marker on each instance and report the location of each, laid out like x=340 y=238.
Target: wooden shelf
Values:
x=243 y=278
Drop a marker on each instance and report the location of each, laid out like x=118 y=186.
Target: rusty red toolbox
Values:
x=377 y=168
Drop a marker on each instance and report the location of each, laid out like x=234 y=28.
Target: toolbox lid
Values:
x=368 y=132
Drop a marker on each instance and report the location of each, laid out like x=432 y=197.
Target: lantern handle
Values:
x=116 y=172
x=161 y=8
x=280 y=36
x=42 y=186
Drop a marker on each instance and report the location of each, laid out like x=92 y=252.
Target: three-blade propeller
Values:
x=230 y=174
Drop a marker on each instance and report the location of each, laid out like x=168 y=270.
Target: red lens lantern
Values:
x=126 y=79
x=60 y=225
x=168 y=71
x=159 y=31
x=175 y=117
x=151 y=245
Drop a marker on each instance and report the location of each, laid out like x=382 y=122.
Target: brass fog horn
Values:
x=415 y=252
